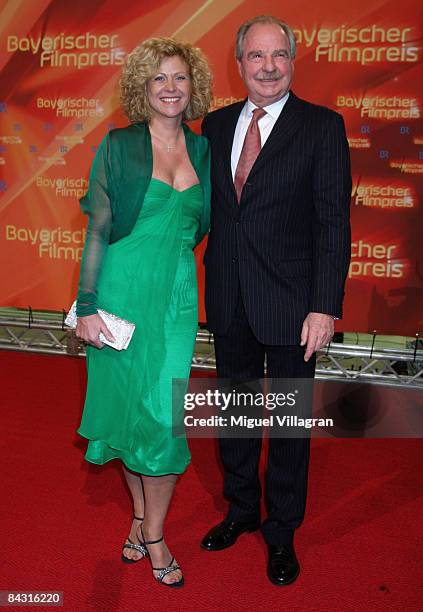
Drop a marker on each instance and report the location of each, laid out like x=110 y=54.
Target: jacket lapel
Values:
x=228 y=132
x=287 y=124
x=199 y=155
x=142 y=152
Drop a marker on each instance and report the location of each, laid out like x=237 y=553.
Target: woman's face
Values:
x=169 y=90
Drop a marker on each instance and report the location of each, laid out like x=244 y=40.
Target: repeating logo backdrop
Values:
x=60 y=64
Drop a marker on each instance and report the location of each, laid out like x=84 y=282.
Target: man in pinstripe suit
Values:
x=276 y=263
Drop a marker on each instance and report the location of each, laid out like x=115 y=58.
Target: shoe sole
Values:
x=276 y=583
x=173 y=585
x=176 y=585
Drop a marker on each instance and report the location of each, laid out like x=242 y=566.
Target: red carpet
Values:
x=63 y=521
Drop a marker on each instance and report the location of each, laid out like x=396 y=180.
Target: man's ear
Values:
x=239 y=64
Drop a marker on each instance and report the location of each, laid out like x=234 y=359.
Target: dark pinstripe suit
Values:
x=281 y=253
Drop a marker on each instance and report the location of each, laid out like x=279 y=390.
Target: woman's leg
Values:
x=135 y=486
x=158 y=492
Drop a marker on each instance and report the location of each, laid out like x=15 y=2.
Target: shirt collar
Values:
x=274 y=110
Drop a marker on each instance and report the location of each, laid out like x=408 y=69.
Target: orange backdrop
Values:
x=60 y=63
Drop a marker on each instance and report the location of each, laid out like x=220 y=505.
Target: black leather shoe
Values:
x=282 y=567
x=225 y=534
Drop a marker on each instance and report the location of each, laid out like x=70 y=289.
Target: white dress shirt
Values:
x=265 y=124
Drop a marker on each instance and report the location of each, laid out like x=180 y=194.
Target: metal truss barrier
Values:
x=398 y=367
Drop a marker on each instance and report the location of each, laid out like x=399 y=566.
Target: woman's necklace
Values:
x=170 y=147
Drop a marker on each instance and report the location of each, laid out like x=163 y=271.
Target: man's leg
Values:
x=240 y=357
x=287 y=468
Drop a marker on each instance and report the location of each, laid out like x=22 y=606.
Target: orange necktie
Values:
x=250 y=150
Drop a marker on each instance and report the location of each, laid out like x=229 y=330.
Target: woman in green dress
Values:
x=148 y=205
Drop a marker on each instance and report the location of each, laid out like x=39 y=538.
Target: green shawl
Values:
x=119 y=179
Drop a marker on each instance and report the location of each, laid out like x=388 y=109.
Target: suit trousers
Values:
x=240 y=356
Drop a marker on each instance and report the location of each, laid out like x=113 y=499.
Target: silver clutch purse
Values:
x=121 y=329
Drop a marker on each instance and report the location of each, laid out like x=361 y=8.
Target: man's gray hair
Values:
x=264 y=19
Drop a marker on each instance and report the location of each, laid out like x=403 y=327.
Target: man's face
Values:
x=266 y=66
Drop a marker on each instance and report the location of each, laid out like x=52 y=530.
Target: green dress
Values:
x=148 y=277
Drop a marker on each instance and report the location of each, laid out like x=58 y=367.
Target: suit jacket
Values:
x=286 y=245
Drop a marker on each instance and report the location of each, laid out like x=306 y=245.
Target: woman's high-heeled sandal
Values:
x=163 y=571
x=138 y=547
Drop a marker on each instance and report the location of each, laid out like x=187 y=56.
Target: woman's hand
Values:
x=88 y=329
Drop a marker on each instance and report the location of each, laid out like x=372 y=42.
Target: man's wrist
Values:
x=335 y=318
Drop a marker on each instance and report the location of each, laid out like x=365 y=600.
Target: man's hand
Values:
x=89 y=328
x=317 y=330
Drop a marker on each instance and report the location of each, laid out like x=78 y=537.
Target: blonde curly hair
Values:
x=144 y=61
